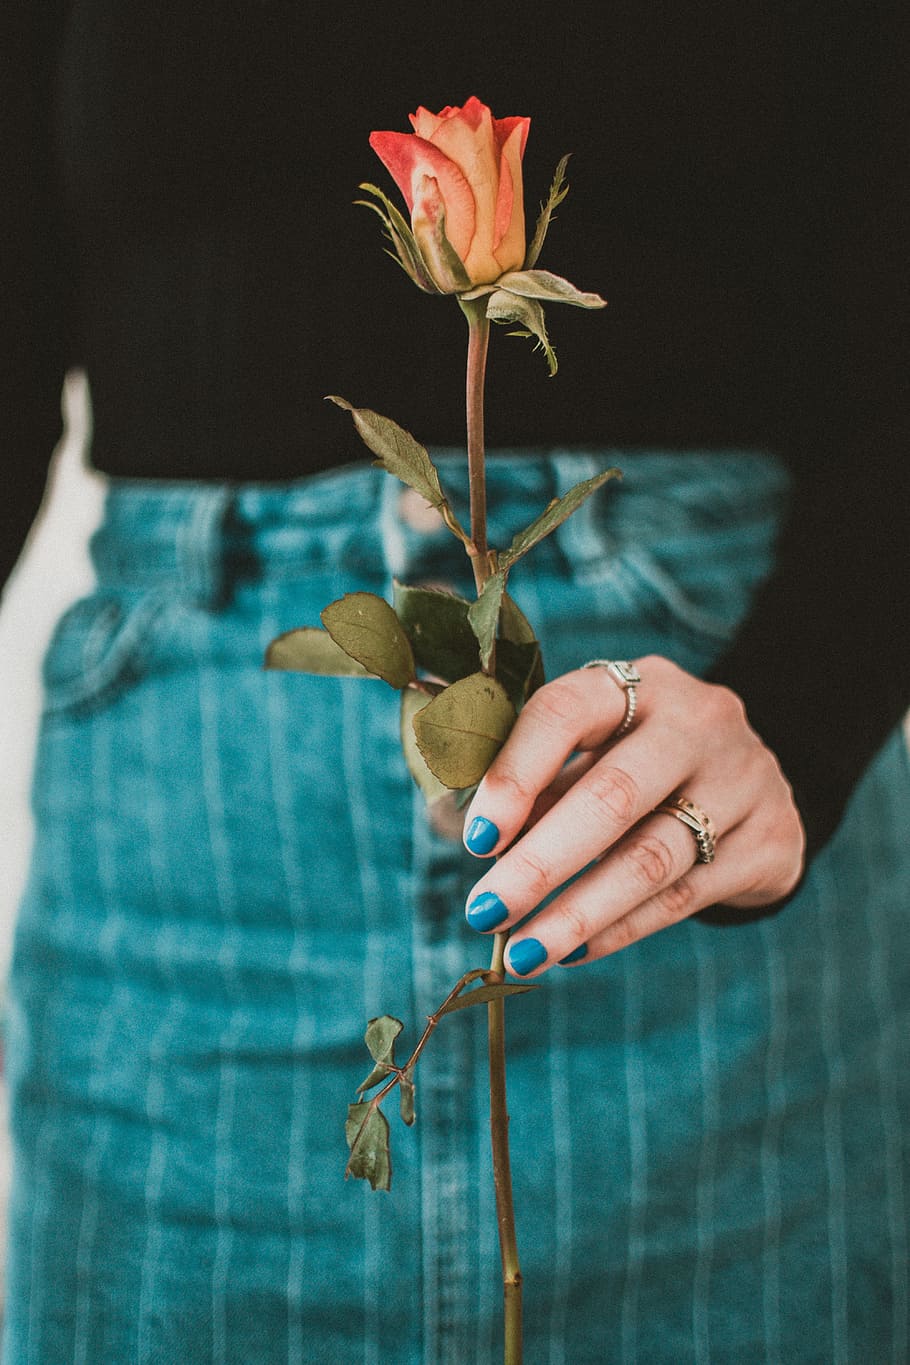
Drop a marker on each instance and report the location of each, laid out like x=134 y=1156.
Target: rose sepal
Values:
x=557 y=193
x=548 y=288
x=407 y=252
x=503 y=306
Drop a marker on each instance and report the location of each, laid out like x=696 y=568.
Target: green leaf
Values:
x=482 y=995
x=436 y=623
x=484 y=615
x=549 y=288
x=380 y=1039
x=503 y=306
x=413 y=701
x=558 y=191
x=400 y=454
x=407 y=252
x=554 y=515
x=513 y=623
x=312 y=650
x=406 y=1097
x=380 y=1072
x=519 y=669
x=462 y=729
x=367 y=1134
x=367 y=629
x=517 y=629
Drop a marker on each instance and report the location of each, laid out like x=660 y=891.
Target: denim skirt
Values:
x=233 y=871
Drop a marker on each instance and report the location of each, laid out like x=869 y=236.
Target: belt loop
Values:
x=201 y=546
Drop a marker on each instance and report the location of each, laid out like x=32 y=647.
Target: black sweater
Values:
x=178 y=220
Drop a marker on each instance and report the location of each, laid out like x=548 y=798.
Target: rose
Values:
x=460 y=174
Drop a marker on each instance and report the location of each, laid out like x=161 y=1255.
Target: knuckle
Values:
x=658 y=665
x=677 y=900
x=535 y=872
x=612 y=792
x=651 y=860
x=724 y=706
x=507 y=784
x=622 y=934
x=555 y=705
x=575 y=920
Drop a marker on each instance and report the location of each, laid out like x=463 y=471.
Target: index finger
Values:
x=577 y=711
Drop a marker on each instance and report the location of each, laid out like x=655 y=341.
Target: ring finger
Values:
x=652 y=859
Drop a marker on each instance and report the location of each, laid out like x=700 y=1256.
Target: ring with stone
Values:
x=627 y=677
x=700 y=823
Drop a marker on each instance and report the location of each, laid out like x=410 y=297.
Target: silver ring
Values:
x=698 y=821
x=626 y=676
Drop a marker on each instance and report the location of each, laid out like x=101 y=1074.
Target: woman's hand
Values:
x=554 y=818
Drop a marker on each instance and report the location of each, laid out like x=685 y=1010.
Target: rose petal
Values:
x=430 y=232
x=509 y=245
x=473 y=112
x=424 y=123
x=504 y=127
x=466 y=137
x=407 y=158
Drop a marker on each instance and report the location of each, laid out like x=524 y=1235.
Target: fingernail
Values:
x=482 y=836
x=486 y=911
x=575 y=956
x=526 y=955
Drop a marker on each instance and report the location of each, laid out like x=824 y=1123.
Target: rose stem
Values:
x=478 y=339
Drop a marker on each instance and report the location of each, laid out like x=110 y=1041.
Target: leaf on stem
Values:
x=380 y=1039
x=549 y=288
x=412 y=702
x=483 y=615
x=462 y=729
x=514 y=625
x=558 y=191
x=312 y=650
x=367 y=629
x=519 y=669
x=517 y=629
x=398 y=453
x=367 y=1134
x=482 y=995
x=554 y=515
x=436 y=623
x=503 y=307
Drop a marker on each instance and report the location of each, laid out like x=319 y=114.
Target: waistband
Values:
x=355 y=517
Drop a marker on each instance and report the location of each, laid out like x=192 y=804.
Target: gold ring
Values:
x=700 y=823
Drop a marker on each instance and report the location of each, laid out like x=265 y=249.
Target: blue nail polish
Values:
x=526 y=955
x=575 y=956
x=482 y=836
x=487 y=911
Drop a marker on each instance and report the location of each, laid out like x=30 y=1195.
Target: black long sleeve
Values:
x=179 y=221
x=36 y=279
x=824 y=658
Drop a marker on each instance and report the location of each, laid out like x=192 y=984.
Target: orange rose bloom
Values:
x=460 y=174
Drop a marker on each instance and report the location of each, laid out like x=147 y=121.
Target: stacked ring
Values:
x=698 y=821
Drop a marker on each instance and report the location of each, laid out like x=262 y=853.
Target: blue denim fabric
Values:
x=233 y=872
